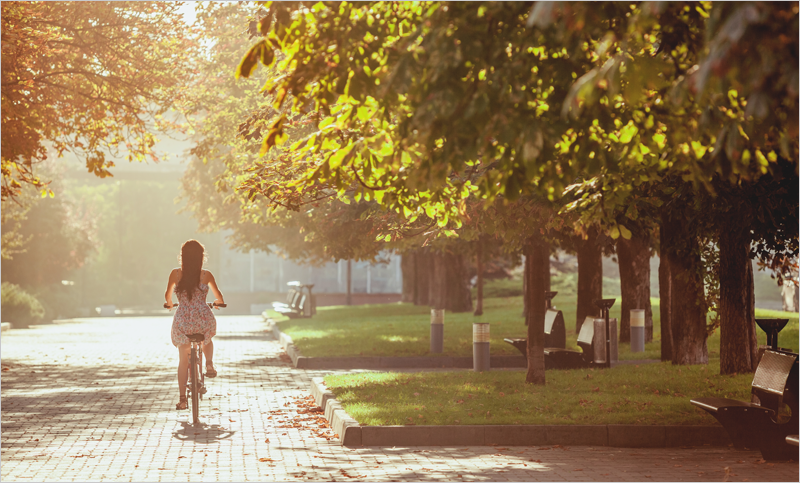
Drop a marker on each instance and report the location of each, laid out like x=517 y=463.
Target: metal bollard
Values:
x=637 y=330
x=480 y=347
x=437 y=331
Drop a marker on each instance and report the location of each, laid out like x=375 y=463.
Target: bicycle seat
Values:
x=196 y=337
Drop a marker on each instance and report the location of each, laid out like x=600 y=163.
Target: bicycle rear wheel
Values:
x=195 y=386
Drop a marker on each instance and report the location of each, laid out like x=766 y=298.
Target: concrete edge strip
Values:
x=5 y=326
x=351 y=433
x=344 y=427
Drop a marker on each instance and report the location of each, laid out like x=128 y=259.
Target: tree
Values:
x=92 y=78
x=426 y=104
x=752 y=220
x=450 y=282
x=55 y=238
x=311 y=224
x=634 y=277
x=590 y=277
x=536 y=251
x=682 y=251
x=665 y=292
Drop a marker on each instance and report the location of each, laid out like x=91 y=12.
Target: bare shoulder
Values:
x=175 y=274
x=206 y=277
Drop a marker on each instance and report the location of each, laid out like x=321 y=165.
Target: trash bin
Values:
x=599 y=340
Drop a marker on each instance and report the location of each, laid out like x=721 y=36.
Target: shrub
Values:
x=19 y=307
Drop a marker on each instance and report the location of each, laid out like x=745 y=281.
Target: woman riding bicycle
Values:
x=193 y=316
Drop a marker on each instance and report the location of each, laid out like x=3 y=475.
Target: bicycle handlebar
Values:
x=212 y=305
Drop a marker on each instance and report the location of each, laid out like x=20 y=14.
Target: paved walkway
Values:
x=94 y=400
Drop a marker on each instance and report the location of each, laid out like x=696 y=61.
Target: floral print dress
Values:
x=193 y=317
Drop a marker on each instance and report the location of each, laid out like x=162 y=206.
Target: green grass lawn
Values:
x=647 y=394
x=404 y=330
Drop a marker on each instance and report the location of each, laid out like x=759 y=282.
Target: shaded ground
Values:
x=94 y=400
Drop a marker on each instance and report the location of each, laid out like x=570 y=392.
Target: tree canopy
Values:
x=419 y=98
x=92 y=78
x=613 y=110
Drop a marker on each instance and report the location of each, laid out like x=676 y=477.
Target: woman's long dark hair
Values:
x=191 y=258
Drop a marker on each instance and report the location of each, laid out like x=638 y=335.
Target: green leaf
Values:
x=627 y=133
x=328 y=121
x=364 y=113
x=660 y=139
x=626 y=233
x=614 y=233
x=336 y=159
x=699 y=149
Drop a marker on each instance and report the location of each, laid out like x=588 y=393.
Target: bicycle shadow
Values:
x=202 y=433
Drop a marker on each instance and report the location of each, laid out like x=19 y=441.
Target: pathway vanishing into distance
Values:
x=94 y=400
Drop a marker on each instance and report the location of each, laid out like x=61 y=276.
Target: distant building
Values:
x=260 y=272
x=789 y=293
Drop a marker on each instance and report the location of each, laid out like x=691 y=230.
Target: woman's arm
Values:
x=174 y=277
x=213 y=285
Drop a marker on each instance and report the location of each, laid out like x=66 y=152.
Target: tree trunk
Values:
x=423 y=273
x=751 y=310
x=534 y=294
x=544 y=265
x=438 y=281
x=450 y=284
x=590 y=278
x=525 y=287
x=479 y=266
x=664 y=292
x=737 y=353
x=349 y=282
x=634 y=278
x=541 y=265
x=687 y=302
x=407 y=267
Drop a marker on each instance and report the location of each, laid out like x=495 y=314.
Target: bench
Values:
x=759 y=424
x=562 y=358
x=298 y=304
x=792 y=439
x=555 y=333
x=291 y=300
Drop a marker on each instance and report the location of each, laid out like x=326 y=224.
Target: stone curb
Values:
x=5 y=326
x=346 y=428
x=419 y=362
x=616 y=435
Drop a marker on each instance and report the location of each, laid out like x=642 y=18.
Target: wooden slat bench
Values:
x=760 y=424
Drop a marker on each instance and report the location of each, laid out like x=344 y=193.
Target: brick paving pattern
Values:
x=93 y=400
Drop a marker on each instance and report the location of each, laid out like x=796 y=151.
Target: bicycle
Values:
x=196 y=383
